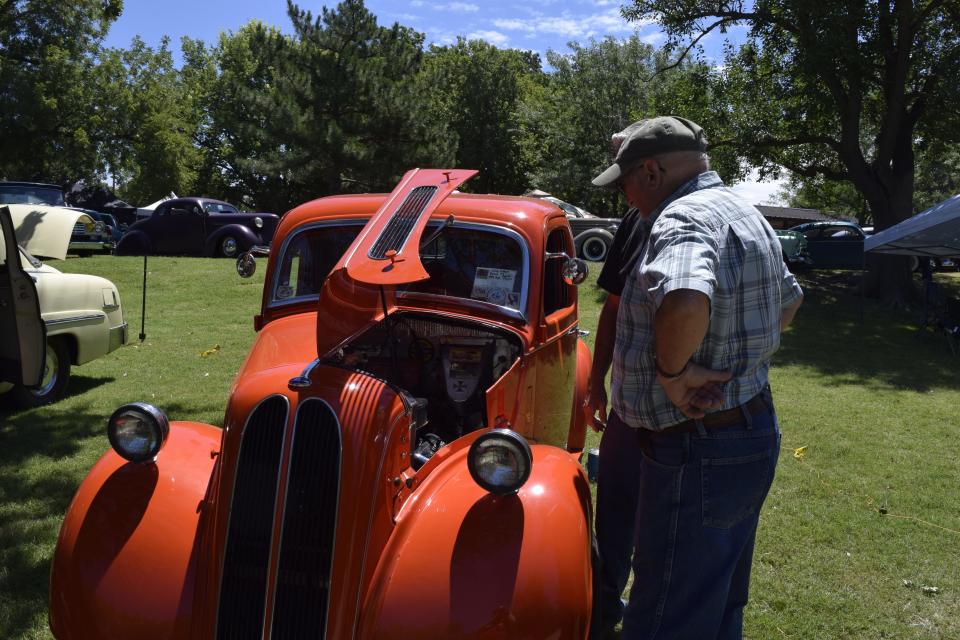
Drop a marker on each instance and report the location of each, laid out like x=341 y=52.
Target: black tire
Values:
x=594 y=248
x=56 y=375
x=229 y=247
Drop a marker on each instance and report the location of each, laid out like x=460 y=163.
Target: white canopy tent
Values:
x=934 y=233
x=147 y=210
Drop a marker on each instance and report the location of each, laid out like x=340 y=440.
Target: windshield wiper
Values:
x=433 y=236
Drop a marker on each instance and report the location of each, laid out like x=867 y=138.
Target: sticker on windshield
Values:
x=494 y=285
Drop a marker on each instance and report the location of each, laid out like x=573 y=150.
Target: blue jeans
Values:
x=618 y=486
x=700 y=499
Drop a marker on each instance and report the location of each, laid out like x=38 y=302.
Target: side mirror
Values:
x=246 y=265
x=575 y=271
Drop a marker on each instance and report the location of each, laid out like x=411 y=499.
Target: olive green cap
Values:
x=651 y=137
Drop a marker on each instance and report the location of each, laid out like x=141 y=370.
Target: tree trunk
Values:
x=889 y=278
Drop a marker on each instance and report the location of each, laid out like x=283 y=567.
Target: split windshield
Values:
x=469 y=261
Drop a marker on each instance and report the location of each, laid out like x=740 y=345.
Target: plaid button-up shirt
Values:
x=705 y=238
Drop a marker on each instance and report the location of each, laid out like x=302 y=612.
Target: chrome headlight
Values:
x=258 y=222
x=98 y=227
x=500 y=461
x=138 y=431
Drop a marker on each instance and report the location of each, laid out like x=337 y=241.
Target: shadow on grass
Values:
x=853 y=341
x=44 y=455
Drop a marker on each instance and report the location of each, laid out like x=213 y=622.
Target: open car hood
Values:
x=385 y=254
x=45 y=231
x=387 y=250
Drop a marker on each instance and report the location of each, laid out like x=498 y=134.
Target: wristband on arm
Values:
x=666 y=375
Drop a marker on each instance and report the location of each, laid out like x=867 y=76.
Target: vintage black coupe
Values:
x=199 y=227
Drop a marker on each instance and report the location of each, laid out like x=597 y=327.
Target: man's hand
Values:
x=596 y=403
x=697 y=390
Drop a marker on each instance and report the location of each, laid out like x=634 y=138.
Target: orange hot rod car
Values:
x=399 y=457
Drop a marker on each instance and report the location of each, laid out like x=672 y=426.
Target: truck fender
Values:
x=125 y=561
x=245 y=237
x=133 y=243
x=593 y=244
x=483 y=566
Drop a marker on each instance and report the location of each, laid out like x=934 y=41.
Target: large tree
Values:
x=840 y=90
x=477 y=91
x=47 y=51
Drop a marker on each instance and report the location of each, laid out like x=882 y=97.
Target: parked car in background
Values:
x=592 y=235
x=198 y=227
x=833 y=244
x=794 y=248
x=399 y=452
x=88 y=238
x=82 y=313
x=31 y=193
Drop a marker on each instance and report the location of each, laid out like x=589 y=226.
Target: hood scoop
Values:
x=387 y=251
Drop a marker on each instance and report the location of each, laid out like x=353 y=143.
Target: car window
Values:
x=219 y=207
x=27 y=194
x=840 y=233
x=473 y=262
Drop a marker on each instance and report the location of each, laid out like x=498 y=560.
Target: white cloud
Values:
x=493 y=37
x=467 y=7
x=756 y=192
x=653 y=39
x=569 y=25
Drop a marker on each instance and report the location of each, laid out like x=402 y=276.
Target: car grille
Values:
x=309 y=521
x=244 y=578
x=309 y=518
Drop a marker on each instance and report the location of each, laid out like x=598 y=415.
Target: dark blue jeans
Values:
x=618 y=485
x=699 y=504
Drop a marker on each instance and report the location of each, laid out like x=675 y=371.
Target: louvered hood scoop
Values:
x=387 y=251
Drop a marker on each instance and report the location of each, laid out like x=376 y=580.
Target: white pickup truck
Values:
x=82 y=317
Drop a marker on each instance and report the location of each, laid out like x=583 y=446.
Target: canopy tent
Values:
x=933 y=233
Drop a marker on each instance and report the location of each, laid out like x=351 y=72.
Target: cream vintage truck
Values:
x=81 y=314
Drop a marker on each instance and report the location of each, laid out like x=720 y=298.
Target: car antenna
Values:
x=143 y=304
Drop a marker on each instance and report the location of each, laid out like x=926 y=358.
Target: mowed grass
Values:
x=860 y=537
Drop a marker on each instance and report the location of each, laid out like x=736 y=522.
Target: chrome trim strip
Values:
x=519 y=314
x=283 y=512
x=233 y=489
x=73 y=320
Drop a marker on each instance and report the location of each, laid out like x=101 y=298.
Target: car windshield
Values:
x=219 y=207
x=469 y=261
x=30 y=194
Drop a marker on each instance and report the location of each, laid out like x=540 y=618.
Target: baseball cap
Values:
x=650 y=137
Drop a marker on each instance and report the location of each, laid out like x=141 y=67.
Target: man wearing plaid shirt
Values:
x=699 y=319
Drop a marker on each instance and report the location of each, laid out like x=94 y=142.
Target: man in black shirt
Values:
x=618 y=478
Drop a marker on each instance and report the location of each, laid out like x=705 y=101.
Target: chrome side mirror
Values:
x=246 y=265
x=575 y=271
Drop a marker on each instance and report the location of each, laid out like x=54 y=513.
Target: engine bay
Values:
x=444 y=365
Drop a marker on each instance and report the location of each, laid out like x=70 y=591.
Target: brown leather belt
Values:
x=724 y=418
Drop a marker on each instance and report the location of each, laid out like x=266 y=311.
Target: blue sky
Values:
x=537 y=26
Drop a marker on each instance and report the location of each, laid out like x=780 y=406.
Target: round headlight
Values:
x=258 y=222
x=500 y=461
x=98 y=227
x=138 y=431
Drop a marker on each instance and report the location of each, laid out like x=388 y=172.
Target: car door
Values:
x=23 y=335
x=556 y=357
x=836 y=247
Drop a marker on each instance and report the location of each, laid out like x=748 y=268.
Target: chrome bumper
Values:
x=118 y=337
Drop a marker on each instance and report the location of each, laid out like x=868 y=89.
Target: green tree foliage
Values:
x=147 y=122
x=839 y=90
x=477 y=91
x=598 y=89
x=47 y=51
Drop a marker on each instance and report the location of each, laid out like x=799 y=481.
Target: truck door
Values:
x=556 y=357
x=23 y=335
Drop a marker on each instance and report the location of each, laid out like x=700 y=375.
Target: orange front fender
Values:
x=125 y=562
x=463 y=563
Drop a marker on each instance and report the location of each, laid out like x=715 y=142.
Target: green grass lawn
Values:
x=860 y=537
